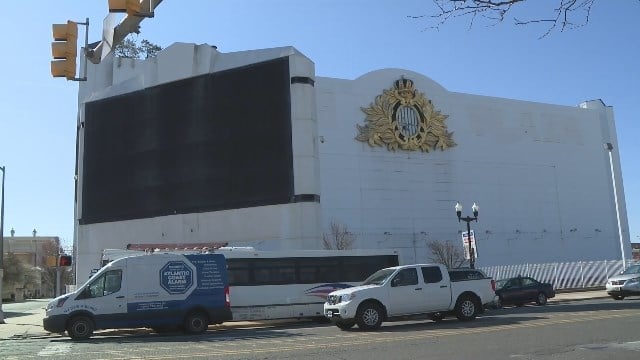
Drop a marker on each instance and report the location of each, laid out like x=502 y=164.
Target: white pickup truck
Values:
x=406 y=291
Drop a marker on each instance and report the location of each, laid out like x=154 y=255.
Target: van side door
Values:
x=437 y=288
x=105 y=297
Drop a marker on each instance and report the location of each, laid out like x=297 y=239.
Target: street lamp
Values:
x=1 y=244
x=468 y=219
x=609 y=148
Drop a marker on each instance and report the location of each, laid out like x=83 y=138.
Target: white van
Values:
x=159 y=291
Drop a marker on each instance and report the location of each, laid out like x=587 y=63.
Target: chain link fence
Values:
x=563 y=275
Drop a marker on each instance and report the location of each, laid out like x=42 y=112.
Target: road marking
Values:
x=278 y=345
x=52 y=349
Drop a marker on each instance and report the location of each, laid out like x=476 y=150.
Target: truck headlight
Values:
x=348 y=297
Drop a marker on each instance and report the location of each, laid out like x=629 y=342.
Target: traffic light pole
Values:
x=86 y=50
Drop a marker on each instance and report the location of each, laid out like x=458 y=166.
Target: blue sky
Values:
x=345 y=39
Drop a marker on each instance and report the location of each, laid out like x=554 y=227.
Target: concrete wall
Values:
x=538 y=171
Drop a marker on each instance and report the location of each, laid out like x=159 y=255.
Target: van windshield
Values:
x=379 y=277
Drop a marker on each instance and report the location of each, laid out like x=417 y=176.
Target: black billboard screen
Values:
x=212 y=142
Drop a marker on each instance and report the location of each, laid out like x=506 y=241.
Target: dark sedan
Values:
x=521 y=290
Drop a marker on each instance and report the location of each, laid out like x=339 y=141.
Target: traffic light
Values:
x=64 y=49
x=51 y=261
x=65 y=260
x=131 y=7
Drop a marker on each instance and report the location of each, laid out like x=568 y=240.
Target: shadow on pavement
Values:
x=132 y=336
x=11 y=314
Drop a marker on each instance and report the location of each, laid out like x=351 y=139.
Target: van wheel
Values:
x=80 y=328
x=196 y=323
x=466 y=309
x=369 y=316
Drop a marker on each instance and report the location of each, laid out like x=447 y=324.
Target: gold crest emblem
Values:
x=403 y=118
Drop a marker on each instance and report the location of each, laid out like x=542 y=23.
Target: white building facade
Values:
x=387 y=155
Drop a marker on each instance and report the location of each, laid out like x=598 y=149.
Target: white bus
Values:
x=284 y=284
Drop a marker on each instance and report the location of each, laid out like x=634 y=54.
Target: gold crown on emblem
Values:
x=403 y=84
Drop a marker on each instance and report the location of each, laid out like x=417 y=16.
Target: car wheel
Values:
x=196 y=323
x=617 y=297
x=369 y=316
x=519 y=304
x=345 y=325
x=466 y=309
x=80 y=328
x=437 y=317
x=541 y=299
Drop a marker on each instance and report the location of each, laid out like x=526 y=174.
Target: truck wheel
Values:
x=617 y=297
x=466 y=309
x=80 y=328
x=437 y=317
x=345 y=325
x=369 y=316
x=541 y=299
x=196 y=323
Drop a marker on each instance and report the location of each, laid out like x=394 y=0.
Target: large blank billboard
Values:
x=211 y=142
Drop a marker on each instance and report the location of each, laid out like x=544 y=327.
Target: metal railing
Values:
x=563 y=275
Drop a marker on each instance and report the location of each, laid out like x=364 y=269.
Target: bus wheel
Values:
x=80 y=328
x=196 y=323
x=345 y=325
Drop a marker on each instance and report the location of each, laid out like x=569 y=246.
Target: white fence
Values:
x=567 y=275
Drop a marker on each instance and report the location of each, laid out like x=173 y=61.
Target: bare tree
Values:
x=15 y=270
x=340 y=238
x=564 y=15
x=446 y=253
x=52 y=249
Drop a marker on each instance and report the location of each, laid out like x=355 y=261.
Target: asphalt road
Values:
x=593 y=329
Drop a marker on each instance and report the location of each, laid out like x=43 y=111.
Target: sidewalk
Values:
x=28 y=324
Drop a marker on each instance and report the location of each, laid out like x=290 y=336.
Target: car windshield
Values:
x=634 y=269
x=379 y=277
x=501 y=283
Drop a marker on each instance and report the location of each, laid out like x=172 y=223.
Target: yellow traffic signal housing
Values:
x=131 y=7
x=65 y=50
x=52 y=261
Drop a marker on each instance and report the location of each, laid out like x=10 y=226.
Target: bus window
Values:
x=273 y=271
x=238 y=271
x=318 y=270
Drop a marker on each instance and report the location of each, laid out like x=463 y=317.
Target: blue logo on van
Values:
x=176 y=277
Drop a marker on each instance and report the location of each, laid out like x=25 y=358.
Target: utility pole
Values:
x=2 y=244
